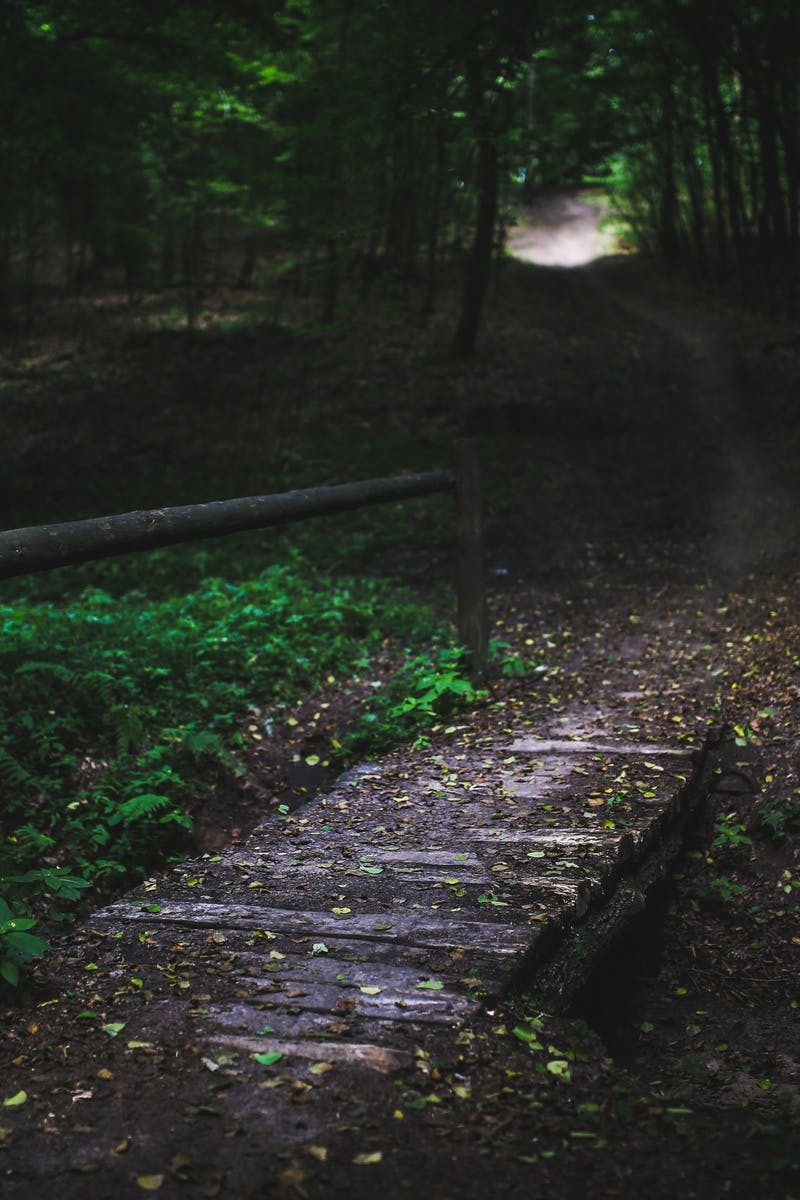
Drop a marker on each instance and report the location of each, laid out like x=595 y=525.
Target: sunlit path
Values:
x=562 y=231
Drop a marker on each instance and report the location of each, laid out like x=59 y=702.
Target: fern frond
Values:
x=12 y=772
x=142 y=806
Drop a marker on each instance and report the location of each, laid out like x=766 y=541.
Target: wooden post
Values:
x=472 y=620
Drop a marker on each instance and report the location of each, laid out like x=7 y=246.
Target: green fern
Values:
x=12 y=772
x=140 y=806
x=129 y=726
x=95 y=688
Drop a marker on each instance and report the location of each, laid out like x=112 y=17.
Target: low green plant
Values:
x=116 y=711
x=18 y=895
x=731 y=832
x=511 y=664
x=724 y=889
x=423 y=691
x=776 y=816
x=789 y=883
x=18 y=946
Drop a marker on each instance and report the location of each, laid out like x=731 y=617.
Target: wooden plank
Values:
x=419 y=931
x=246 y=1020
x=383 y=1059
x=428 y=1008
x=331 y=969
x=566 y=888
x=531 y=745
x=608 y=842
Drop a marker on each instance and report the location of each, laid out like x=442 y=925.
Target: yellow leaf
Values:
x=367 y=1160
x=320 y=1153
x=320 y=1068
x=150 y=1183
x=371 y=991
x=341 y=912
x=293 y=1176
x=312 y=760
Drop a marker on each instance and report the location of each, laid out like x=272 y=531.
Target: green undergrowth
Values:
x=116 y=710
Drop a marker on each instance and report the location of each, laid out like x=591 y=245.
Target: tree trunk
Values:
x=432 y=256
x=480 y=260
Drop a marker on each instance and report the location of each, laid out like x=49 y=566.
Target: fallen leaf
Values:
x=113 y=1028
x=292 y=1177
x=431 y=985
x=267 y=1060
x=320 y=1068
x=320 y=1153
x=15 y=1100
x=371 y=991
x=560 y=1068
x=367 y=1160
x=150 y=1183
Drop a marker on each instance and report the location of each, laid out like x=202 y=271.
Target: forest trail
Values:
x=358 y=998
x=718 y=452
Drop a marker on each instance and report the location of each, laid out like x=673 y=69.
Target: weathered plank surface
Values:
x=373 y=927
x=530 y=745
x=387 y=907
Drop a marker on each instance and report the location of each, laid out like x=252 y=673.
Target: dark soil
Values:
x=642 y=454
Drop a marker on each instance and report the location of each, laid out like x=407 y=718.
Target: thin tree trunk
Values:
x=480 y=259
x=432 y=255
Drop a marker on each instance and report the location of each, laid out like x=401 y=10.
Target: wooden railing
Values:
x=44 y=547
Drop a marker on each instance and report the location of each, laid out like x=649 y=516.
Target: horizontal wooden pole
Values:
x=42 y=547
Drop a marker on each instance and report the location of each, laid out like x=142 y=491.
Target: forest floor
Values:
x=642 y=457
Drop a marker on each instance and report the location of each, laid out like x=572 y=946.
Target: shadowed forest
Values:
x=252 y=247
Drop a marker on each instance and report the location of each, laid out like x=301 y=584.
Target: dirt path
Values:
x=696 y=440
